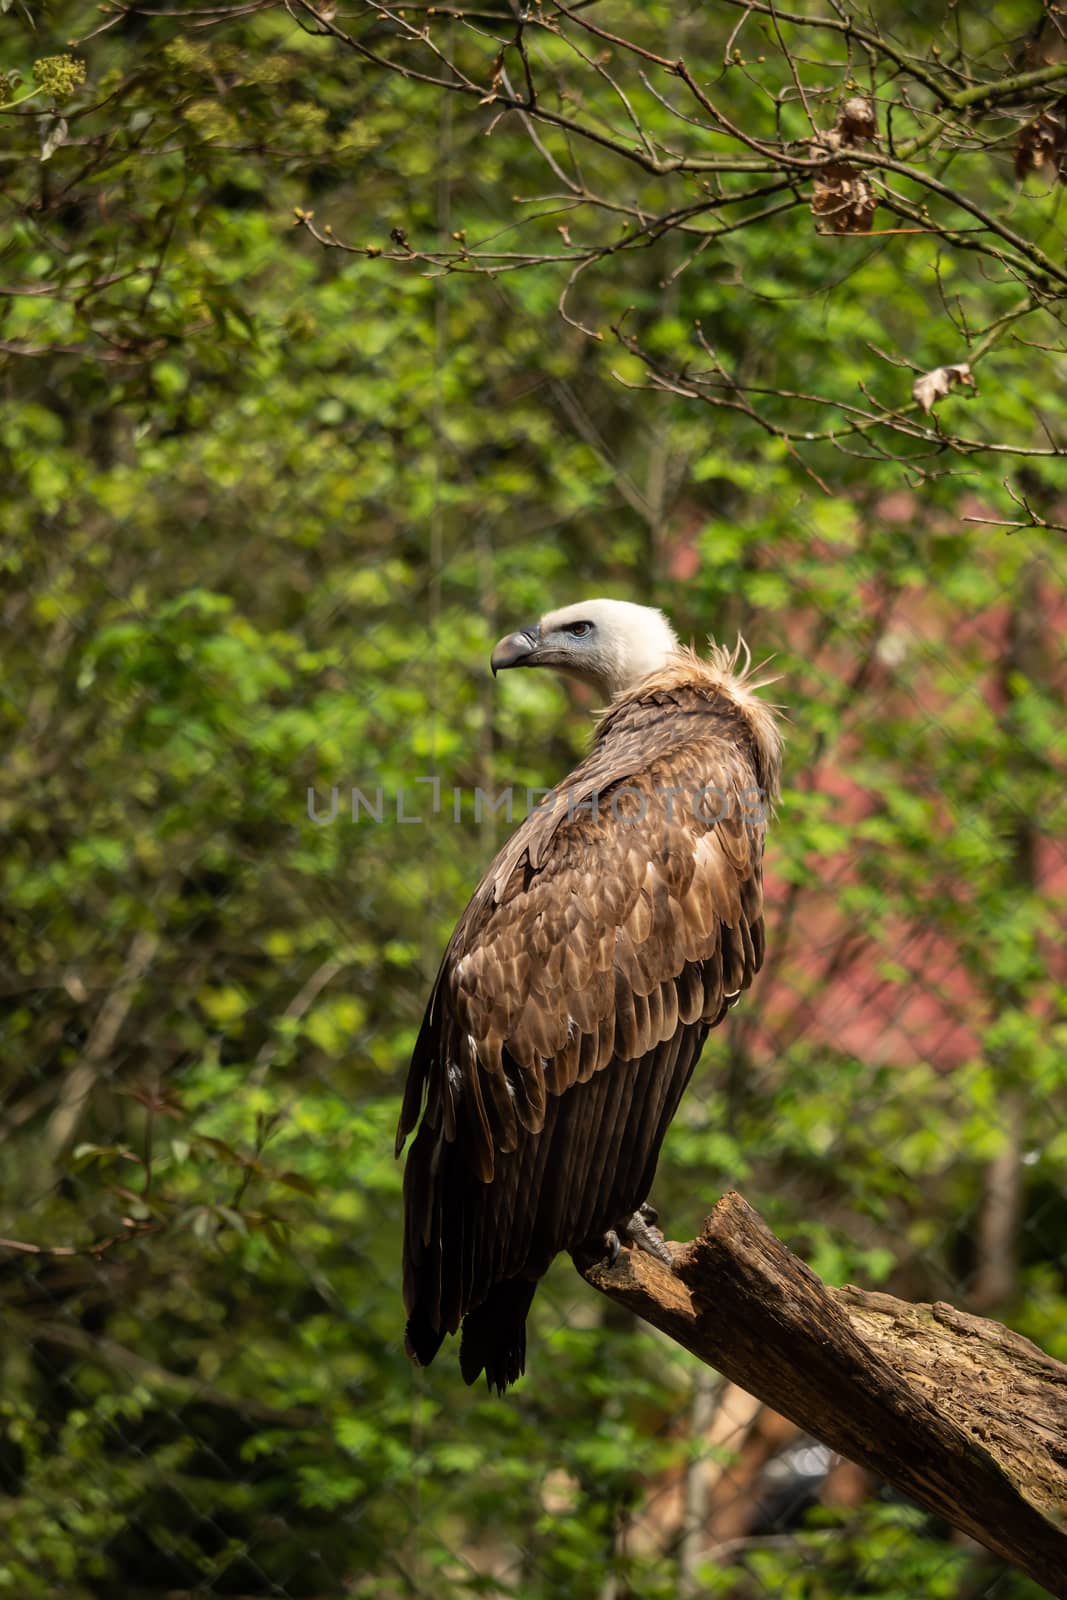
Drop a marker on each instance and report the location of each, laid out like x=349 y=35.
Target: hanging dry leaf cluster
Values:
x=842 y=196
x=1041 y=146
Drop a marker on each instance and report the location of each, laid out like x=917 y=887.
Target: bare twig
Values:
x=105 y=1030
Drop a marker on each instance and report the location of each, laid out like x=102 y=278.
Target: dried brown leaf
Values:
x=842 y=196
x=855 y=120
x=1041 y=146
x=932 y=386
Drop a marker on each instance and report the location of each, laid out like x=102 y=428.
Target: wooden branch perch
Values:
x=965 y=1417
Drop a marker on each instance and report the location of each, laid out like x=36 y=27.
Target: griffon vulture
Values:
x=618 y=925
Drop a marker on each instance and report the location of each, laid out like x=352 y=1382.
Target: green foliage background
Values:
x=267 y=506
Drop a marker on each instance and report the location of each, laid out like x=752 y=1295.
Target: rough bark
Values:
x=965 y=1417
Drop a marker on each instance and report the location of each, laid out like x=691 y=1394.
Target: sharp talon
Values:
x=602 y=1250
x=645 y=1236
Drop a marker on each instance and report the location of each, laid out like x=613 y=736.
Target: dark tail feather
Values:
x=494 y=1335
x=421 y=1339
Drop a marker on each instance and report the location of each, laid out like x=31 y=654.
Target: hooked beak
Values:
x=517 y=649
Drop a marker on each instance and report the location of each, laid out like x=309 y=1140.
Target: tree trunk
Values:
x=965 y=1417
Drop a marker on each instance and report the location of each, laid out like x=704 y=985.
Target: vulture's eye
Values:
x=577 y=630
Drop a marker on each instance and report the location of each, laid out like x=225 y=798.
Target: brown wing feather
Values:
x=570 y=1008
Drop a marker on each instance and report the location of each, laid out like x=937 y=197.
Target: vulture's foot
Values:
x=602 y=1250
x=640 y=1230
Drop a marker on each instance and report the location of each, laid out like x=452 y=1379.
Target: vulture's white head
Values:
x=610 y=644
